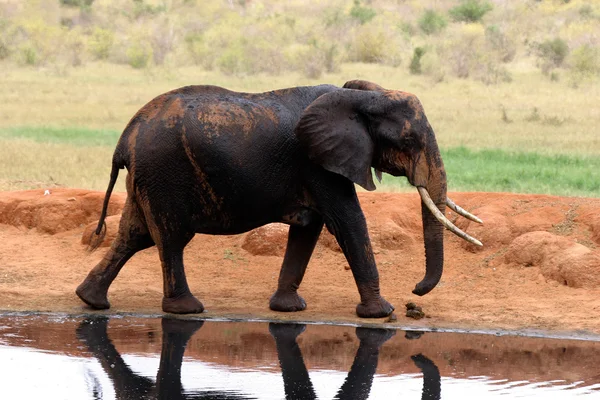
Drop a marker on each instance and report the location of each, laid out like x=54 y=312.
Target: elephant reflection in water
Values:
x=129 y=386
x=176 y=334
x=358 y=383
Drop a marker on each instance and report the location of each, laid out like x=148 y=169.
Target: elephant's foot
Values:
x=287 y=302
x=183 y=304
x=377 y=308
x=93 y=296
x=374 y=338
x=286 y=332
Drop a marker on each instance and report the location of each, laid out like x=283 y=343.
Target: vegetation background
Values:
x=511 y=87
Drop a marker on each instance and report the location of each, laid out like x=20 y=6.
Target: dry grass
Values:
x=462 y=112
x=105 y=96
x=27 y=164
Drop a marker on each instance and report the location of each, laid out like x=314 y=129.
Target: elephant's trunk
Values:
x=433 y=229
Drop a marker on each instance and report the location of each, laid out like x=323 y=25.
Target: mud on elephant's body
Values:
x=203 y=159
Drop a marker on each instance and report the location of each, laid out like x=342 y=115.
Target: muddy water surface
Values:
x=60 y=357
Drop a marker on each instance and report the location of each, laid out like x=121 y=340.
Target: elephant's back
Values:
x=229 y=152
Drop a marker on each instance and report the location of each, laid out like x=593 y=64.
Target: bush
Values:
x=39 y=42
x=362 y=14
x=100 y=43
x=162 y=41
x=500 y=43
x=432 y=22
x=585 y=60
x=313 y=59
x=470 y=10
x=29 y=55
x=74 y=47
x=432 y=66
x=374 y=44
x=415 y=63
x=201 y=52
x=83 y=4
x=231 y=60
x=465 y=48
x=551 y=54
x=138 y=54
x=586 y=11
x=6 y=38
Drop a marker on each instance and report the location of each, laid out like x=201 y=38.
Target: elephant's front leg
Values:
x=339 y=205
x=350 y=230
x=296 y=381
x=300 y=246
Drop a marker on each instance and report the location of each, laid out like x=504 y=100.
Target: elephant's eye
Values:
x=407 y=143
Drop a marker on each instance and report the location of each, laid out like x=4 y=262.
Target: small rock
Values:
x=391 y=318
x=414 y=313
x=411 y=306
x=71 y=199
x=410 y=335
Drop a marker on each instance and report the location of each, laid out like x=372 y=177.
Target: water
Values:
x=58 y=357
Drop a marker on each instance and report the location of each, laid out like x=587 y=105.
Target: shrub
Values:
x=464 y=49
x=551 y=54
x=162 y=41
x=29 y=55
x=201 y=52
x=83 y=4
x=312 y=59
x=231 y=60
x=374 y=44
x=74 y=47
x=470 y=10
x=407 y=28
x=432 y=66
x=586 y=11
x=138 y=54
x=432 y=22
x=500 y=43
x=585 y=60
x=6 y=38
x=415 y=63
x=100 y=43
x=367 y=46
x=362 y=14
x=39 y=42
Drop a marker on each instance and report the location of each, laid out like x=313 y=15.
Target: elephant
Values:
x=176 y=333
x=128 y=385
x=204 y=159
x=358 y=382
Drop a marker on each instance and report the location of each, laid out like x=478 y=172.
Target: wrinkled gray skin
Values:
x=203 y=159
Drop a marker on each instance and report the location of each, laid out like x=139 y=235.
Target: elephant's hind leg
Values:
x=300 y=246
x=177 y=296
x=132 y=237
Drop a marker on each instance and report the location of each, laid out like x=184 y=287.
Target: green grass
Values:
x=80 y=157
x=520 y=172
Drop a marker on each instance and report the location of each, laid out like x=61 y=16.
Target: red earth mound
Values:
x=540 y=259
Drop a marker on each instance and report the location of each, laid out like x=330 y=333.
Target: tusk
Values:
x=440 y=217
x=378 y=175
x=461 y=211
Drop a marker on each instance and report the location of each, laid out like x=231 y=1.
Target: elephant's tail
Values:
x=98 y=235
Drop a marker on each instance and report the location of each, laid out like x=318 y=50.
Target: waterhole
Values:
x=60 y=357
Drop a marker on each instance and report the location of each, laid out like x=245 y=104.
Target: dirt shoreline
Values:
x=538 y=273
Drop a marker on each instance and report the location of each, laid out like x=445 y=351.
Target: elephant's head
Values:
x=364 y=125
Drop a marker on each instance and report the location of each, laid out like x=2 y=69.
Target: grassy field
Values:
x=529 y=135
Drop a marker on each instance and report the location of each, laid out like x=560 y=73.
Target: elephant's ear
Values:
x=335 y=133
x=363 y=85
